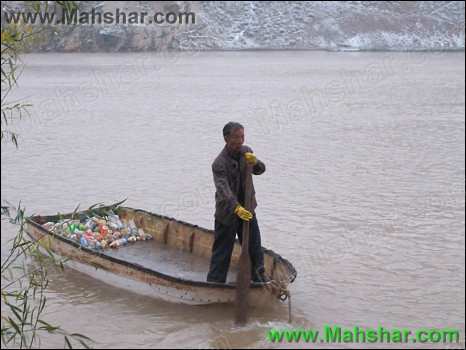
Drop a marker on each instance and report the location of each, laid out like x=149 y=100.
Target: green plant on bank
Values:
x=24 y=270
x=16 y=38
x=24 y=283
x=11 y=42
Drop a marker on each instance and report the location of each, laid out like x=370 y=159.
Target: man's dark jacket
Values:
x=227 y=183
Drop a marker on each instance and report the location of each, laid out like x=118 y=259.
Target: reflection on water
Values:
x=364 y=189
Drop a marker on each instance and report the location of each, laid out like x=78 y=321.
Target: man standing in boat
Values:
x=228 y=170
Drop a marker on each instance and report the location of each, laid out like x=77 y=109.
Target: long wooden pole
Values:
x=244 y=275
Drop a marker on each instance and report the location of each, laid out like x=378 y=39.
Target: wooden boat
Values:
x=147 y=268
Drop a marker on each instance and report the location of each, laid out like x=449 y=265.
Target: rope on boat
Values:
x=289 y=307
x=283 y=294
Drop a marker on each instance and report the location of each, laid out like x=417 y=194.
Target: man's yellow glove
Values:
x=250 y=158
x=244 y=214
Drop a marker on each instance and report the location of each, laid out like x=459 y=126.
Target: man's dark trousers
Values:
x=223 y=247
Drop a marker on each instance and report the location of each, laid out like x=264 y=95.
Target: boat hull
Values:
x=138 y=278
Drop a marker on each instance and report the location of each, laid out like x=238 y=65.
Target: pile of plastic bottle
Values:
x=99 y=232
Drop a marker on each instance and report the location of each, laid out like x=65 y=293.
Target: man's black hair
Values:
x=230 y=127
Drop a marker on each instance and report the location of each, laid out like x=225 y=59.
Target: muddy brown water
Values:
x=363 y=193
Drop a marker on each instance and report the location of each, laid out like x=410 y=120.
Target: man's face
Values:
x=235 y=140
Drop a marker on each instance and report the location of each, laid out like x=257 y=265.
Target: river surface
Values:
x=364 y=189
